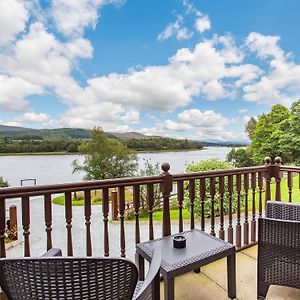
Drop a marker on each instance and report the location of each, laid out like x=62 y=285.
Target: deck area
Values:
x=211 y=283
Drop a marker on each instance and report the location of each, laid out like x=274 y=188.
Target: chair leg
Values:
x=262 y=289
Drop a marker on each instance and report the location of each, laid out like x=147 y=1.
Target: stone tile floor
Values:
x=211 y=283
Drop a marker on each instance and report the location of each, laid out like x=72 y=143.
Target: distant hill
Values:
x=129 y=135
x=22 y=133
x=12 y=128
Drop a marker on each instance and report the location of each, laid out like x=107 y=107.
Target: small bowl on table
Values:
x=179 y=241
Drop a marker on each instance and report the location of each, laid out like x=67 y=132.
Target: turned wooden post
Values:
x=268 y=175
x=13 y=224
x=166 y=189
x=114 y=205
x=278 y=176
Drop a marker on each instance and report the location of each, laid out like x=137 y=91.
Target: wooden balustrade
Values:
x=224 y=203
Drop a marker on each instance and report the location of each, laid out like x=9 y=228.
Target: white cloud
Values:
x=201 y=71
x=73 y=16
x=175 y=29
x=264 y=45
x=214 y=90
x=202 y=23
x=32 y=117
x=13 y=17
x=197 y=125
x=183 y=34
x=197 y=118
x=280 y=83
x=13 y=90
x=131 y=117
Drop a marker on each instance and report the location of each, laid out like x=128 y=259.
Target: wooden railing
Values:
x=224 y=203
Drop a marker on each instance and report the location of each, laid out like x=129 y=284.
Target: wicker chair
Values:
x=76 y=278
x=278 y=247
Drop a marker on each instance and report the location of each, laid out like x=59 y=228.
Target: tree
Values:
x=3 y=183
x=105 y=158
x=289 y=140
x=150 y=170
x=267 y=134
x=250 y=127
x=240 y=157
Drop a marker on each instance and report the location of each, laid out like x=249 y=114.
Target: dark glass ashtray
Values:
x=179 y=241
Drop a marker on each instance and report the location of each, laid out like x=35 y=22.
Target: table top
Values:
x=201 y=248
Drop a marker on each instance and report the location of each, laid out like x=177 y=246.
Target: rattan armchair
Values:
x=278 y=247
x=87 y=278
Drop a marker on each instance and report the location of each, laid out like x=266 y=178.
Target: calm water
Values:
x=50 y=169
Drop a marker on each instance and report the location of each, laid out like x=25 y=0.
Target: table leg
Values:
x=198 y=270
x=140 y=262
x=231 y=277
x=169 y=289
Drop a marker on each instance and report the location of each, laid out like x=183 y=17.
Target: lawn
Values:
x=96 y=197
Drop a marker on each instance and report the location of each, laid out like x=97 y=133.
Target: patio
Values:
x=211 y=283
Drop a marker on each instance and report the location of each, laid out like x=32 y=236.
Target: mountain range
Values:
x=22 y=133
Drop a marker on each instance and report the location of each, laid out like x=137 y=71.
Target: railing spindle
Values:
x=2 y=227
x=105 y=211
x=267 y=176
x=290 y=185
x=150 y=201
x=180 y=201
x=230 y=191
x=122 y=225
x=87 y=216
x=192 y=201
x=253 y=220
x=68 y=214
x=260 y=191
x=212 y=191
x=277 y=175
x=48 y=219
x=26 y=224
x=238 y=213
x=136 y=201
x=202 y=201
x=246 y=223
x=221 y=192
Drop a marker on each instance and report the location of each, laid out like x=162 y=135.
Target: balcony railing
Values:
x=239 y=193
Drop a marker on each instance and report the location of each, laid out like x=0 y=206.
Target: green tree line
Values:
x=8 y=145
x=29 y=146
x=161 y=143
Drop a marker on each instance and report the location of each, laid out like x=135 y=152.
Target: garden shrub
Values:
x=208 y=165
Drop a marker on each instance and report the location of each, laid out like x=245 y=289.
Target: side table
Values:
x=201 y=249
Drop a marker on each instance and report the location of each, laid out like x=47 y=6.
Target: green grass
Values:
x=60 y=200
x=95 y=197
x=158 y=214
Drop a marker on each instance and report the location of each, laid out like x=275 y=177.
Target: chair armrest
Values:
x=154 y=268
x=283 y=210
x=52 y=252
x=282 y=233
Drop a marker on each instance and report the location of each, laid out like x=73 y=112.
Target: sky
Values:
x=179 y=68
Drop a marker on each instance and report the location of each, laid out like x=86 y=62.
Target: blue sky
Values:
x=191 y=69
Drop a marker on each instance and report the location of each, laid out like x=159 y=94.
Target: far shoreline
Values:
x=77 y=153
